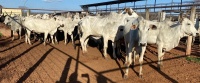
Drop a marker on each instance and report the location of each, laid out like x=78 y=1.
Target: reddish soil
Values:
x=21 y=62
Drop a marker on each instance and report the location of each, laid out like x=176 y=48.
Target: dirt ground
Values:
x=20 y=62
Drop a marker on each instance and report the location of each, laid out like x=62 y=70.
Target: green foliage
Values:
x=1 y=34
x=193 y=59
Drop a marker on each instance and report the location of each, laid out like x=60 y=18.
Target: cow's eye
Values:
x=188 y=24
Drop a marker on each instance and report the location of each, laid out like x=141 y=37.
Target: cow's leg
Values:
x=118 y=47
x=65 y=35
x=126 y=57
x=199 y=39
x=141 y=60
x=45 y=38
x=20 y=34
x=105 y=46
x=13 y=32
x=55 y=37
x=160 y=48
x=193 y=40
x=52 y=39
x=114 y=46
x=73 y=43
x=162 y=56
x=28 y=37
x=72 y=38
x=85 y=44
x=129 y=59
x=82 y=40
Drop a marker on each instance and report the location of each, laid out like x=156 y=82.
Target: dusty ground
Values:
x=20 y=62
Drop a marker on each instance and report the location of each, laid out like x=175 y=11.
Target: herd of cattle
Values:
x=136 y=31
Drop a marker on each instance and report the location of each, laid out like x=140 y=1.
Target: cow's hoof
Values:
x=126 y=64
x=160 y=68
x=74 y=46
x=106 y=58
x=125 y=76
x=84 y=53
x=141 y=76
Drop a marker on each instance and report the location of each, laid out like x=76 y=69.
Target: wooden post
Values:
x=162 y=16
x=180 y=16
x=28 y=12
x=159 y=16
x=96 y=10
x=110 y=8
x=118 y=8
x=197 y=21
x=189 y=40
x=106 y=9
x=147 y=14
x=154 y=6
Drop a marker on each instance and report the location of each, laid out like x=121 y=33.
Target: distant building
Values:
x=12 y=11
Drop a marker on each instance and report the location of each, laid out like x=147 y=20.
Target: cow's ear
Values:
x=129 y=11
x=54 y=18
x=153 y=27
x=140 y=18
x=181 y=20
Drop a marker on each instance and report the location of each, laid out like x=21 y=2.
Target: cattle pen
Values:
x=66 y=63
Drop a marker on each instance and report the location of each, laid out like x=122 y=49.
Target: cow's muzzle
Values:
x=197 y=34
x=143 y=44
x=62 y=25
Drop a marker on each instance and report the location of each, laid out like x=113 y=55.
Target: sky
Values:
x=68 y=5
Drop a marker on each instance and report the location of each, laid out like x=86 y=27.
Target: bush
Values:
x=1 y=34
x=193 y=59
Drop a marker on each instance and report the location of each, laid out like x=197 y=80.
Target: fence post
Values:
x=28 y=13
x=189 y=40
x=147 y=14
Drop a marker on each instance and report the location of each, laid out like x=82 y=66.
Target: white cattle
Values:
x=38 y=16
x=15 y=24
x=70 y=24
x=45 y=16
x=42 y=26
x=163 y=37
x=103 y=26
x=131 y=38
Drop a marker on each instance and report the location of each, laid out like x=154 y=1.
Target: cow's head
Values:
x=76 y=17
x=143 y=28
x=45 y=16
x=130 y=12
x=187 y=27
x=7 y=20
x=59 y=20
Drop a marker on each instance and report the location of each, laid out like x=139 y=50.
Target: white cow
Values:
x=15 y=23
x=69 y=27
x=131 y=38
x=38 y=16
x=45 y=16
x=42 y=26
x=106 y=27
x=163 y=37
